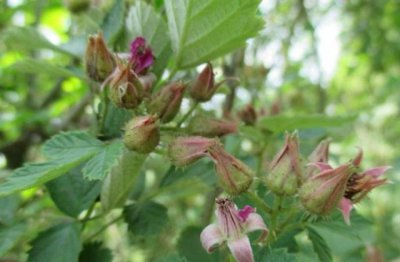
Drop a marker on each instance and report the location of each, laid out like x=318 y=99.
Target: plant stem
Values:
x=87 y=215
x=259 y=202
x=183 y=119
x=98 y=232
x=104 y=112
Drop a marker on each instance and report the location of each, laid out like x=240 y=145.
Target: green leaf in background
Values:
x=9 y=206
x=115 y=120
x=189 y=246
x=147 y=218
x=275 y=255
x=319 y=244
x=60 y=243
x=35 y=66
x=283 y=123
x=202 y=30
x=172 y=258
x=113 y=22
x=72 y=144
x=144 y=21
x=28 y=38
x=100 y=165
x=72 y=193
x=95 y=252
x=66 y=151
x=121 y=180
x=9 y=236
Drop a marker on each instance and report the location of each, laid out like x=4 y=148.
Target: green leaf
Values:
x=72 y=193
x=9 y=206
x=189 y=246
x=202 y=30
x=9 y=237
x=100 y=165
x=172 y=258
x=28 y=38
x=320 y=246
x=283 y=123
x=114 y=21
x=276 y=255
x=121 y=180
x=115 y=120
x=66 y=151
x=147 y=218
x=144 y=21
x=71 y=145
x=95 y=252
x=35 y=66
x=60 y=243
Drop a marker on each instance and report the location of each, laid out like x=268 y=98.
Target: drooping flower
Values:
x=285 y=173
x=232 y=227
x=141 y=55
x=359 y=185
x=234 y=176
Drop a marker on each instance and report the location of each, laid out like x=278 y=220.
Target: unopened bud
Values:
x=167 y=102
x=234 y=176
x=319 y=155
x=248 y=115
x=285 y=173
x=142 y=134
x=126 y=91
x=211 y=127
x=204 y=87
x=321 y=193
x=100 y=62
x=186 y=150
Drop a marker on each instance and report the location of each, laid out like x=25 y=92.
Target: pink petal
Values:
x=245 y=212
x=345 y=206
x=377 y=171
x=322 y=166
x=241 y=249
x=211 y=238
x=254 y=223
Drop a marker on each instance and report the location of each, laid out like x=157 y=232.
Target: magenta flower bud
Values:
x=142 y=134
x=234 y=176
x=211 y=127
x=319 y=155
x=141 y=55
x=321 y=193
x=232 y=227
x=126 y=90
x=285 y=174
x=248 y=115
x=100 y=62
x=203 y=88
x=360 y=184
x=186 y=150
x=167 y=102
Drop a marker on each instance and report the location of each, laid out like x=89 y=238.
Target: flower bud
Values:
x=141 y=56
x=167 y=102
x=234 y=176
x=186 y=150
x=285 y=173
x=100 y=62
x=211 y=127
x=203 y=88
x=126 y=91
x=321 y=193
x=319 y=155
x=142 y=134
x=248 y=115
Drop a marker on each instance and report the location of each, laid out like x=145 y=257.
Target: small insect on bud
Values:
x=184 y=151
x=211 y=127
x=285 y=173
x=204 y=87
x=126 y=90
x=234 y=176
x=248 y=115
x=100 y=62
x=142 y=134
x=167 y=102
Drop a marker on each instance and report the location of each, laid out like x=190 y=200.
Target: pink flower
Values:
x=232 y=226
x=141 y=55
x=359 y=185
